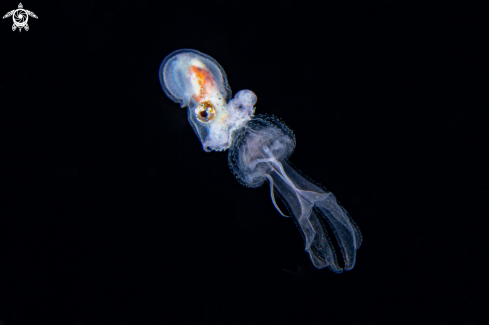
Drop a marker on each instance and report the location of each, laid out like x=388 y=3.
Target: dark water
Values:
x=111 y=212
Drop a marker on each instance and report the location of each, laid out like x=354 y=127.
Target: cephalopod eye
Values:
x=205 y=112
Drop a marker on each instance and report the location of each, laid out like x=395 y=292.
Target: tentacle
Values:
x=301 y=201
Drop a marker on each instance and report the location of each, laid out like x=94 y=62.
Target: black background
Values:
x=112 y=213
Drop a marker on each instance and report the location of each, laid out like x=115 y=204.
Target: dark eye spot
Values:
x=205 y=112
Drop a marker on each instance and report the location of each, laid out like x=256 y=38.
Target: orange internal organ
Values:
x=204 y=80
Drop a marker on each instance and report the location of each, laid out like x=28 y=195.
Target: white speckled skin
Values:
x=189 y=77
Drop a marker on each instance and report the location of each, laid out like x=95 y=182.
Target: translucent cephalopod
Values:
x=259 y=147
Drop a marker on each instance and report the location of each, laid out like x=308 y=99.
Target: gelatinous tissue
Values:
x=259 y=146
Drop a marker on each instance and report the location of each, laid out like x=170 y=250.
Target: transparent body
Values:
x=259 y=147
